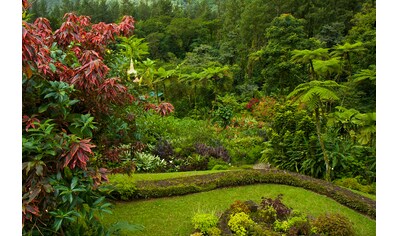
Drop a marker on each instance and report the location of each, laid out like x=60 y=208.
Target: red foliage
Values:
x=44 y=30
x=30 y=121
x=99 y=176
x=101 y=34
x=79 y=154
x=25 y=4
x=150 y=106
x=110 y=90
x=126 y=26
x=251 y=102
x=90 y=76
x=265 y=108
x=70 y=31
x=165 y=108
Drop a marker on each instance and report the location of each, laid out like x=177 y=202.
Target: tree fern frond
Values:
x=365 y=74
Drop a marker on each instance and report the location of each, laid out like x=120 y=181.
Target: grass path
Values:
x=171 y=175
x=172 y=216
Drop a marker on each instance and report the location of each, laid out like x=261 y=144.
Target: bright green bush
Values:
x=214 y=231
x=124 y=187
x=146 y=162
x=334 y=225
x=267 y=215
x=239 y=223
x=213 y=162
x=220 y=167
x=204 y=222
x=181 y=133
x=244 y=149
x=353 y=183
x=286 y=225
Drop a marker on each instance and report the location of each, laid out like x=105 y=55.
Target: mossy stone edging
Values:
x=200 y=183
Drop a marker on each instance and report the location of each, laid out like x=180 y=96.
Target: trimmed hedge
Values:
x=200 y=183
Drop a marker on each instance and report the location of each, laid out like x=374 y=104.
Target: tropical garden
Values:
x=201 y=117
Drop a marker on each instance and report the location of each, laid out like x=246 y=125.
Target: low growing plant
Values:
x=205 y=223
x=146 y=162
x=333 y=225
x=240 y=223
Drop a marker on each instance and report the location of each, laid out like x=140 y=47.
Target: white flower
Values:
x=131 y=69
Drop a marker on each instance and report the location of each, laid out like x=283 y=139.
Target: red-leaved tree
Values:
x=66 y=94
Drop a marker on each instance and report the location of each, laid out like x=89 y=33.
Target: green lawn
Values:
x=172 y=216
x=171 y=175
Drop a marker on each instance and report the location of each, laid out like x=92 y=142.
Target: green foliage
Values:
x=267 y=214
x=334 y=225
x=239 y=223
x=124 y=187
x=205 y=223
x=220 y=167
x=224 y=114
x=82 y=125
x=212 y=162
x=181 y=133
x=214 y=231
x=353 y=183
x=239 y=206
x=146 y=162
x=292 y=142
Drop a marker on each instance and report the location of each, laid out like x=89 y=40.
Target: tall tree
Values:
x=307 y=57
x=272 y=64
x=315 y=94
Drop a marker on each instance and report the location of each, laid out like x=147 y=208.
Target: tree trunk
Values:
x=312 y=72
x=325 y=156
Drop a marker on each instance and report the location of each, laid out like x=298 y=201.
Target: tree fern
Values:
x=366 y=74
x=328 y=67
x=307 y=57
x=314 y=94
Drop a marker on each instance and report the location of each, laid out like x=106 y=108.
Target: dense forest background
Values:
x=254 y=39
x=239 y=63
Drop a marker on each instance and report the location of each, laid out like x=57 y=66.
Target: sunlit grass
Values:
x=171 y=175
x=172 y=216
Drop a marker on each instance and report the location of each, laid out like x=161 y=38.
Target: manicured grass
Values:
x=172 y=216
x=171 y=175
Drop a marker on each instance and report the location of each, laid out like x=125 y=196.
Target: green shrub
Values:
x=353 y=183
x=146 y=162
x=220 y=167
x=214 y=231
x=247 y=167
x=194 y=162
x=214 y=161
x=125 y=187
x=333 y=225
x=239 y=223
x=244 y=149
x=267 y=215
x=196 y=234
x=181 y=133
x=238 y=207
x=205 y=222
x=293 y=224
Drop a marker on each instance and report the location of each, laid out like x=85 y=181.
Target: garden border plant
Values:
x=194 y=184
